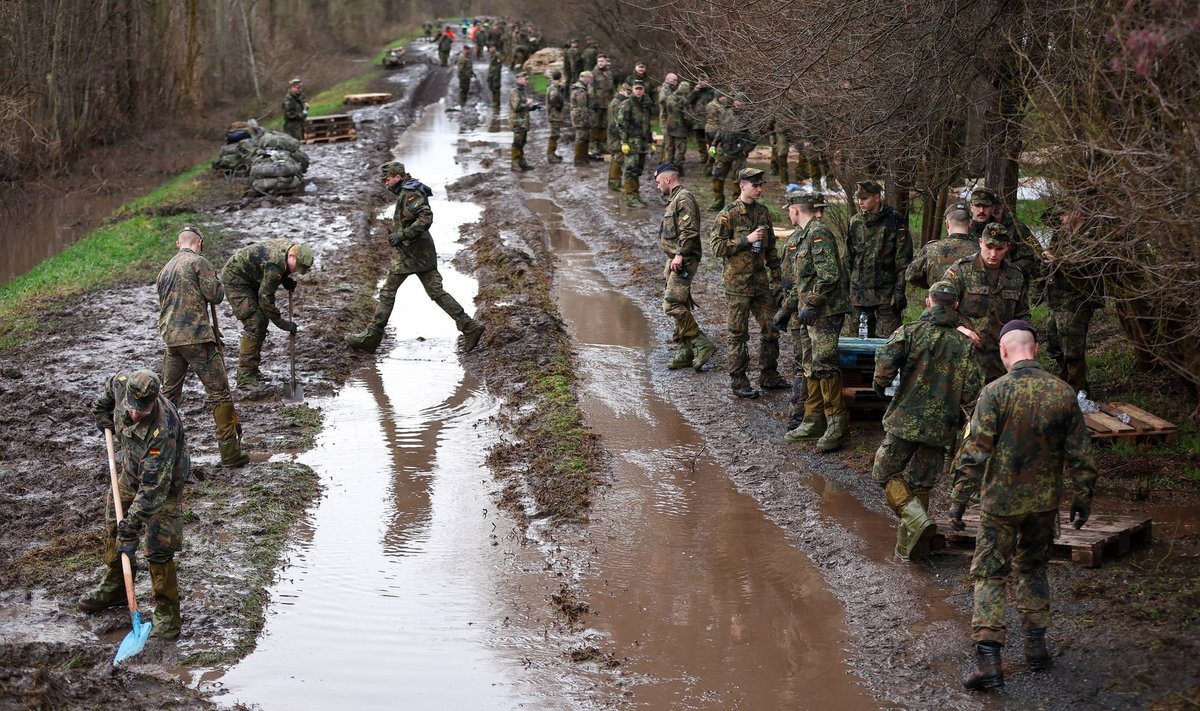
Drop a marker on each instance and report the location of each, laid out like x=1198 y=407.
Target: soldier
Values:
x=743 y=237
x=445 y=41
x=251 y=276
x=730 y=148
x=818 y=301
x=186 y=286
x=801 y=344
x=414 y=254
x=153 y=470
x=702 y=93
x=466 y=72
x=937 y=255
x=982 y=200
x=495 y=72
x=938 y=379
x=589 y=56
x=634 y=128
x=640 y=74
x=556 y=106
x=581 y=117
x=779 y=154
x=679 y=237
x=1073 y=294
x=878 y=248
x=519 y=105
x=616 y=166
x=1026 y=248
x=602 y=89
x=714 y=116
x=572 y=62
x=993 y=292
x=1027 y=431
x=669 y=84
x=677 y=127
x=428 y=27
x=295 y=110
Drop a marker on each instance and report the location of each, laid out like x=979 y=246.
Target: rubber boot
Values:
x=249 y=357
x=702 y=350
x=811 y=428
x=552 y=151
x=1036 y=654
x=742 y=388
x=521 y=162
x=226 y=420
x=110 y=592
x=836 y=434
x=367 y=341
x=232 y=455
x=514 y=162
x=838 y=416
x=633 y=197
x=990 y=672
x=166 y=600
x=581 y=158
x=471 y=334
x=915 y=532
x=718 y=191
x=683 y=355
x=614 y=176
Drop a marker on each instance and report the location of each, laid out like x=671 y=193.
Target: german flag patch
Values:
x=155 y=452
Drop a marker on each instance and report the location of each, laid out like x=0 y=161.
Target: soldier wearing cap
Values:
x=634 y=128
x=581 y=117
x=678 y=126
x=413 y=253
x=743 y=237
x=495 y=74
x=295 y=110
x=556 y=105
x=602 y=89
x=1025 y=437
x=938 y=379
x=640 y=74
x=936 y=255
x=992 y=292
x=816 y=304
x=519 y=103
x=878 y=249
x=669 y=83
x=251 y=276
x=152 y=471
x=987 y=208
x=616 y=166
x=572 y=62
x=679 y=237
x=465 y=66
x=714 y=116
x=445 y=41
x=731 y=146
x=188 y=286
x=589 y=56
x=800 y=211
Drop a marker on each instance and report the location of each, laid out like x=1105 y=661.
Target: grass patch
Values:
x=305 y=419
x=565 y=448
x=177 y=193
x=538 y=83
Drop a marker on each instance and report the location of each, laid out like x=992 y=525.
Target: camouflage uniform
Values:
x=1022 y=254
x=444 y=44
x=587 y=57
x=1073 y=295
x=616 y=165
x=677 y=127
x=750 y=278
x=679 y=234
x=1027 y=428
x=466 y=71
x=572 y=64
x=581 y=120
x=634 y=129
x=936 y=256
x=495 y=72
x=988 y=299
x=251 y=276
x=555 y=115
x=602 y=89
x=734 y=143
x=879 y=248
x=518 y=116
x=293 y=115
x=661 y=97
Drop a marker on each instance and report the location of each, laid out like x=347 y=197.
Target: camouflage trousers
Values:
x=209 y=364
x=677 y=300
x=555 y=130
x=599 y=131
x=635 y=163
x=464 y=88
x=443 y=57
x=924 y=462
x=674 y=149
x=726 y=164
x=582 y=138
x=740 y=309
x=1066 y=342
x=432 y=281
x=243 y=299
x=882 y=320
x=520 y=134
x=1004 y=543
x=495 y=89
x=295 y=129
x=162 y=536
x=816 y=349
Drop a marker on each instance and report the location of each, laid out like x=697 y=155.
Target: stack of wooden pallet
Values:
x=361 y=99
x=334 y=128
x=1102 y=537
x=1142 y=427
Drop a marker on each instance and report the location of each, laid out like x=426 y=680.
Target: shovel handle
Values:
x=126 y=567
x=292 y=337
x=212 y=309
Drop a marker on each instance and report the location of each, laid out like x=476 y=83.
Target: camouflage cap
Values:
x=964 y=207
x=392 y=167
x=810 y=200
x=141 y=390
x=189 y=227
x=1018 y=324
x=754 y=176
x=868 y=187
x=983 y=196
x=295 y=82
x=304 y=258
x=522 y=75
x=996 y=235
x=944 y=287
x=684 y=86
x=638 y=83
x=585 y=74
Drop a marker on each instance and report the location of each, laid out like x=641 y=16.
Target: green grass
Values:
x=538 y=83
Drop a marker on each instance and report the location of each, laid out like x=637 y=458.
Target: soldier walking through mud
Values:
x=414 y=254
x=679 y=237
x=520 y=103
x=187 y=286
x=251 y=276
x=581 y=117
x=556 y=105
x=445 y=42
x=153 y=470
x=295 y=110
x=936 y=256
x=465 y=66
x=743 y=238
x=1026 y=434
x=938 y=379
x=878 y=250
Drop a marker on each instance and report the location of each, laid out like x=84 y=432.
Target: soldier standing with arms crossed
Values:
x=679 y=237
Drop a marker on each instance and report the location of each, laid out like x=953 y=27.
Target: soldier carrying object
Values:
x=936 y=255
x=295 y=110
x=679 y=237
x=445 y=42
x=878 y=248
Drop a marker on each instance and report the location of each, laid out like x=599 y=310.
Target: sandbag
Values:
x=276 y=141
x=277 y=186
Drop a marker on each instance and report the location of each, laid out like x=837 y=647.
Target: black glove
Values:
x=397 y=239
x=900 y=303
x=782 y=316
x=880 y=390
x=105 y=425
x=127 y=547
x=956 y=514
x=1079 y=513
x=288 y=283
x=291 y=327
x=807 y=316
x=129 y=532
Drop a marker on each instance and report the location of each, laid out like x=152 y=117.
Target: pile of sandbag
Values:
x=272 y=160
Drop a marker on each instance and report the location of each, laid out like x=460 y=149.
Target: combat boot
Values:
x=836 y=433
x=1036 y=654
x=718 y=190
x=632 y=196
x=367 y=341
x=915 y=532
x=990 y=672
x=514 y=164
x=614 y=176
x=471 y=334
x=521 y=162
x=812 y=427
x=772 y=380
x=249 y=356
x=166 y=600
x=232 y=455
x=838 y=430
x=552 y=151
x=741 y=388
x=683 y=355
x=702 y=350
x=110 y=592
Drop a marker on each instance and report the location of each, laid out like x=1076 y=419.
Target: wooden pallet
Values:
x=329 y=139
x=1102 y=537
x=1142 y=426
x=366 y=98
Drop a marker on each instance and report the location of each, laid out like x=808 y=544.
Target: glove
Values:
x=1079 y=513
x=129 y=548
x=288 y=283
x=807 y=316
x=777 y=296
x=291 y=327
x=782 y=316
x=900 y=303
x=397 y=239
x=880 y=390
x=956 y=514
x=712 y=152
x=105 y=425
x=129 y=532
x=625 y=148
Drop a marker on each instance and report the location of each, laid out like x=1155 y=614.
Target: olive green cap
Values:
x=304 y=258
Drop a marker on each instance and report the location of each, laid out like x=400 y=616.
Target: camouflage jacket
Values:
x=260 y=267
x=518 y=107
x=714 y=115
x=1021 y=254
x=733 y=137
x=603 y=86
x=495 y=71
x=293 y=107
x=572 y=62
x=985 y=308
x=664 y=94
x=581 y=112
x=555 y=104
x=747 y=272
x=938 y=378
x=931 y=263
x=154 y=462
x=697 y=111
x=878 y=249
x=1071 y=287
x=634 y=124
x=679 y=231
x=650 y=84
x=818 y=276
x=465 y=67
x=444 y=43
x=411 y=220
x=186 y=286
x=1027 y=428
x=615 y=108
x=677 y=124
x=587 y=59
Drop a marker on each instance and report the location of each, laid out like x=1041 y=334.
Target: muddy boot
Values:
x=614 y=176
x=915 y=532
x=249 y=376
x=1036 y=654
x=166 y=600
x=683 y=356
x=741 y=388
x=811 y=428
x=367 y=341
x=580 y=154
x=836 y=433
x=838 y=416
x=632 y=196
x=772 y=380
x=796 y=401
x=471 y=334
x=990 y=673
x=718 y=191
x=110 y=592
x=232 y=455
x=521 y=162
x=552 y=151
x=514 y=163
x=702 y=350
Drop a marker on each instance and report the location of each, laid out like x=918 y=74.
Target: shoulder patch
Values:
x=155 y=452
x=156 y=431
x=121 y=378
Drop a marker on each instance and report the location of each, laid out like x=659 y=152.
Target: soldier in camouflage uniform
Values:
x=987 y=208
x=731 y=147
x=669 y=84
x=1026 y=433
x=556 y=106
x=444 y=44
x=572 y=62
x=634 y=128
x=616 y=166
x=186 y=286
x=602 y=90
x=581 y=117
x=878 y=249
x=679 y=237
x=589 y=56
x=714 y=117
x=801 y=207
x=938 y=379
x=936 y=256
x=466 y=71
x=991 y=292
x=697 y=113
x=519 y=105
x=742 y=236
x=495 y=73
x=152 y=471
x=295 y=109
x=677 y=126
x=640 y=74
x=817 y=304
x=414 y=254
x=251 y=276
x=1073 y=294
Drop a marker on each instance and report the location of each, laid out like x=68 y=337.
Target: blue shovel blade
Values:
x=135 y=640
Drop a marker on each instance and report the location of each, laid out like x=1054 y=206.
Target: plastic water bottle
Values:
x=862 y=324
x=890 y=390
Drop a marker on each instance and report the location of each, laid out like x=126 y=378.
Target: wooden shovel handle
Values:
x=126 y=567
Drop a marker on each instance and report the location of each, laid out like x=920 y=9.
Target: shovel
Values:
x=293 y=390
x=136 y=639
